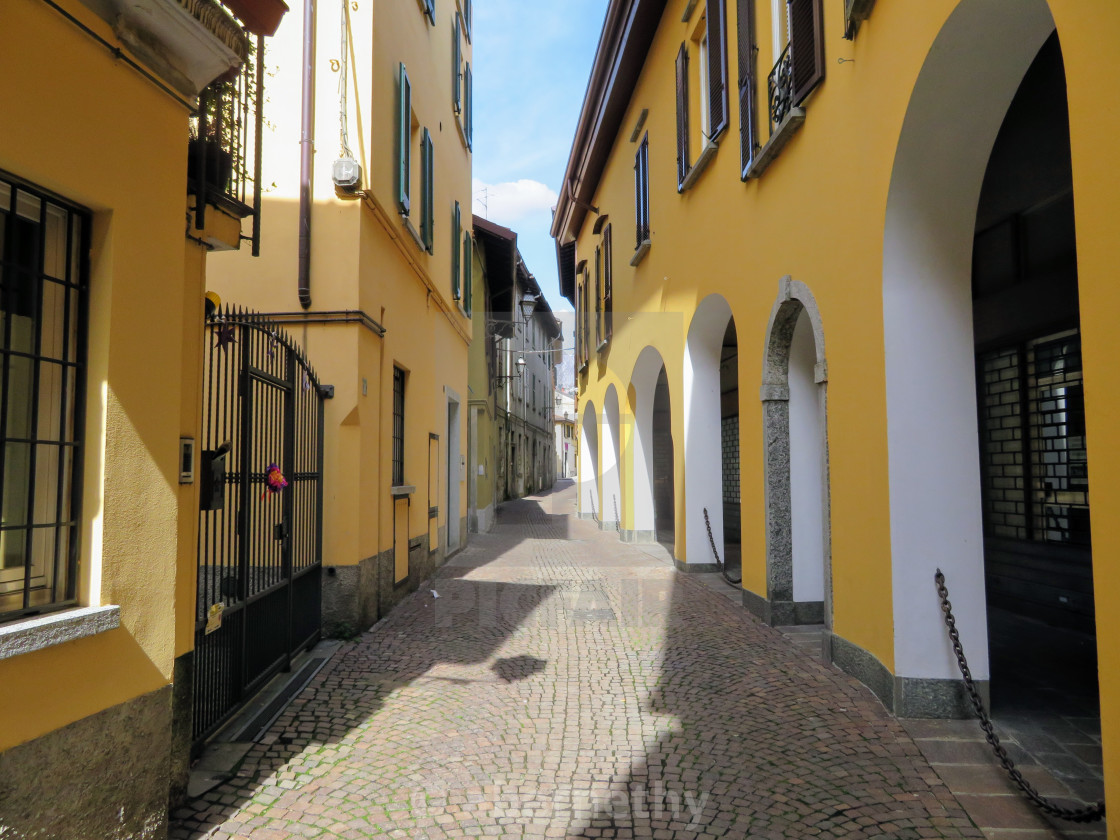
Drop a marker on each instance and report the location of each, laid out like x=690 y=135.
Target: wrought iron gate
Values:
x=260 y=530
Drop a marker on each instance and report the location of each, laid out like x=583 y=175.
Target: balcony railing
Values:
x=224 y=163
x=779 y=89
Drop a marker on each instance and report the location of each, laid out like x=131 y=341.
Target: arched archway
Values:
x=970 y=182
x=711 y=435
x=609 y=517
x=589 y=462
x=653 y=469
x=794 y=383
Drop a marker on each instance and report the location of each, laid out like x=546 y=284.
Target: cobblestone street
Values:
x=563 y=684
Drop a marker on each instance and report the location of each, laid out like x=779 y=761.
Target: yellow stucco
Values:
x=364 y=258
x=817 y=215
x=100 y=135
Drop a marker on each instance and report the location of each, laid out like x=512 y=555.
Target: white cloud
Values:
x=510 y=202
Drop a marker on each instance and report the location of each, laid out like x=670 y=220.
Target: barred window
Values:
x=398 y=426
x=43 y=285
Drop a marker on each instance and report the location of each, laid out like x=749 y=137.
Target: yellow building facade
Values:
x=103 y=273
x=857 y=262
x=367 y=256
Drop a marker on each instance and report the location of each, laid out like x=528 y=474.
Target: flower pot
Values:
x=219 y=163
x=261 y=17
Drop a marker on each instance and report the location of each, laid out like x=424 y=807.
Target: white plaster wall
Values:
x=703 y=478
x=957 y=107
x=644 y=381
x=806 y=466
x=612 y=485
x=589 y=462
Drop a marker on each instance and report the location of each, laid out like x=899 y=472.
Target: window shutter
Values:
x=608 y=285
x=806 y=47
x=598 y=296
x=467 y=17
x=638 y=191
x=426 y=171
x=456 y=229
x=468 y=104
x=748 y=121
x=717 y=66
x=456 y=66
x=468 y=271
x=641 y=190
x=404 y=136
x=430 y=11
x=682 y=115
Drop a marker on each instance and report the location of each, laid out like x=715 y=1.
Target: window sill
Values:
x=56 y=628
x=399 y=490
x=603 y=345
x=698 y=168
x=414 y=234
x=641 y=252
x=776 y=143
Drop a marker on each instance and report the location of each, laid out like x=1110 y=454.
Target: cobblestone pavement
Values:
x=565 y=685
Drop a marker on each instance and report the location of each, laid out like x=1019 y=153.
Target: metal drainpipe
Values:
x=306 y=146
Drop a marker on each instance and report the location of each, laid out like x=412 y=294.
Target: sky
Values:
x=530 y=70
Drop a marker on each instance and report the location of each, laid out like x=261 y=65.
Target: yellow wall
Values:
x=817 y=214
x=363 y=258
x=98 y=134
x=478 y=379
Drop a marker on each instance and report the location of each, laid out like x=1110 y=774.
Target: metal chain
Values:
x=719 y=563
x=591 y=501
x=617 y=518
x=1090 y=813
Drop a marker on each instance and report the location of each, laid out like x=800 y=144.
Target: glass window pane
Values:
x=46 y=484
x=72 y=342
x=49 y=421
x=27 y=206
x=17 y=475
x=19 y=396
x=54 y=243
x=13 y=548
x=53 y=320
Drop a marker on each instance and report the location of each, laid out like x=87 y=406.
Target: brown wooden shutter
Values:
x=717 y=66
x=806 y=40
x=598 y=297
x=608 y=284
x=682 y=115
x=748 y=119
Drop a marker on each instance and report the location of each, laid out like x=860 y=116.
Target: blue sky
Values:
x=531 y=64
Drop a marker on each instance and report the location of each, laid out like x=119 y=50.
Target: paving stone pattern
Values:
x=565 y=685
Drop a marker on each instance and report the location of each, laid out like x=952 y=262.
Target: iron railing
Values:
x=779 y=89
x=224 y=154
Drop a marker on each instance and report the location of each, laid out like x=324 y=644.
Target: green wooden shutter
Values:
x=806 y=40
x=608 y=285
x=404 y=137
x=430 y=11
x=456 y=66
x=456 y=229
x=468 y=105
x=426 y=189
x=682 y=115
x=468 y=271
x=717 y=67
x=748 y=120
x=467 y=17
x=598 y=297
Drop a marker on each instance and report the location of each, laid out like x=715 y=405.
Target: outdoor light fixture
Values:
x=519 y=364
x=528 y=304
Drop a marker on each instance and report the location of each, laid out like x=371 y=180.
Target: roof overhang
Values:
x=624 y=43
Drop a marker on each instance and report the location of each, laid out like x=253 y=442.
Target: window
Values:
x=584 y=305
x=641 y=191
x=604 y=307
x=456 y=269
x=429 y=9
x=608 y=285
x=598 y=297
x=42 y=388
x=709 y=41
x=398 y=426
x=748 y=118
x=1033 y=452
x=456 y=64
x=461 y=79
x=466 y=6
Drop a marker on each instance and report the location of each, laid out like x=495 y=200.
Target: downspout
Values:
x=306 y=146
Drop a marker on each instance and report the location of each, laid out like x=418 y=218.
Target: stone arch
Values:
x=957 y=107
x=795 y=435
x=703 y=431
x=611 y=462
x=589 y=462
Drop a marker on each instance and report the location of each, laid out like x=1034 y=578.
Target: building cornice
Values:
x=627 y=34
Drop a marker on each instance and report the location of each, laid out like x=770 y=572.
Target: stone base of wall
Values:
x=104 y=777
x=629 y=536
x=783 y=613
x=182 y=720
x=481 y=521
x=695 y=568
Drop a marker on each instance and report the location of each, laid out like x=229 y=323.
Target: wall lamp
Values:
x=520 y=364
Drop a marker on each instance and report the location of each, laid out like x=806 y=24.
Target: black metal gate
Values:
x=260 y=531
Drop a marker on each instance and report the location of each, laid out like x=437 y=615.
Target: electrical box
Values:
x=212 y=479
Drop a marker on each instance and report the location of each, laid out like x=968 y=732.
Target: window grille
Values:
x=43 y=321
